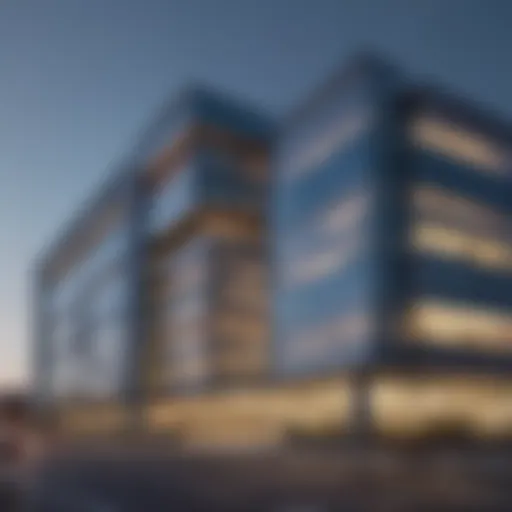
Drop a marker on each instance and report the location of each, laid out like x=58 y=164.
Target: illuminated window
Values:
x=455 y=142
x=456 y=228
x=451 y=244
x=460 y=326
x=432 y=203
x=419 y=406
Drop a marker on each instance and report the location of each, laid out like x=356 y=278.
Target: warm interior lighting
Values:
x=230 y=226
x=460 y=326
x=455 y=227
x=457 y=143
x=433 y=203
x=434 y=238
x=415 y=406
x=309 y=407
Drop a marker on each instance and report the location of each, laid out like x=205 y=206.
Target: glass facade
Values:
x=174 y=200
x=186 y=316
x=88 y=315
x=323 y=259
x=460 y=238
x=334 y=287
x=213 y=179
x=214 y=314
x=224 y=182
x=239 y=309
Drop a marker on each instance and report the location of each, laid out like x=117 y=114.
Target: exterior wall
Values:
x=226 y=181
x=176 y=199
x=94 y=309
x=209 y=179
x=208 y=209
x=187 y=339
x=87 y=326
x=391 y=245
x=332 y=225
x=239 y=323
x=212 y=315
x=461 y=246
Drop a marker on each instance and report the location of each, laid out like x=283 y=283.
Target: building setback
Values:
x=379 y=233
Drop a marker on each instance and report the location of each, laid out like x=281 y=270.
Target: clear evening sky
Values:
x=79 y=79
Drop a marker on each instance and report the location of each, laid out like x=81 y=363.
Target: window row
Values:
x=405 y=406
x=437 y=204
x=483 y=252
x=459 y=326
x=445 y=138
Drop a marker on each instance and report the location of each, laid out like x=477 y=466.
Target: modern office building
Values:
x=393 y=254
x=172 y=248
x=379 y=233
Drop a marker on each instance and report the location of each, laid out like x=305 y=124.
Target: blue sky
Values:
x=80 y=78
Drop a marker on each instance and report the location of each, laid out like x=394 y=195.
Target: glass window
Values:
x=109 y=251
x=328 y=343
x=344 y=173
x=106 y=360
x=308 y=148
x=186 y=336
x=459 y=326
x=62 y=357
x=239 y=315
x=435 y=203
x=447 y=139
x=110 y=298
x=452 y=227
x=452 y=244
x=323 y=263
x=174 y=200
x=188 y=267
x=224 y=182
x=188 y=354
x=427 y=406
